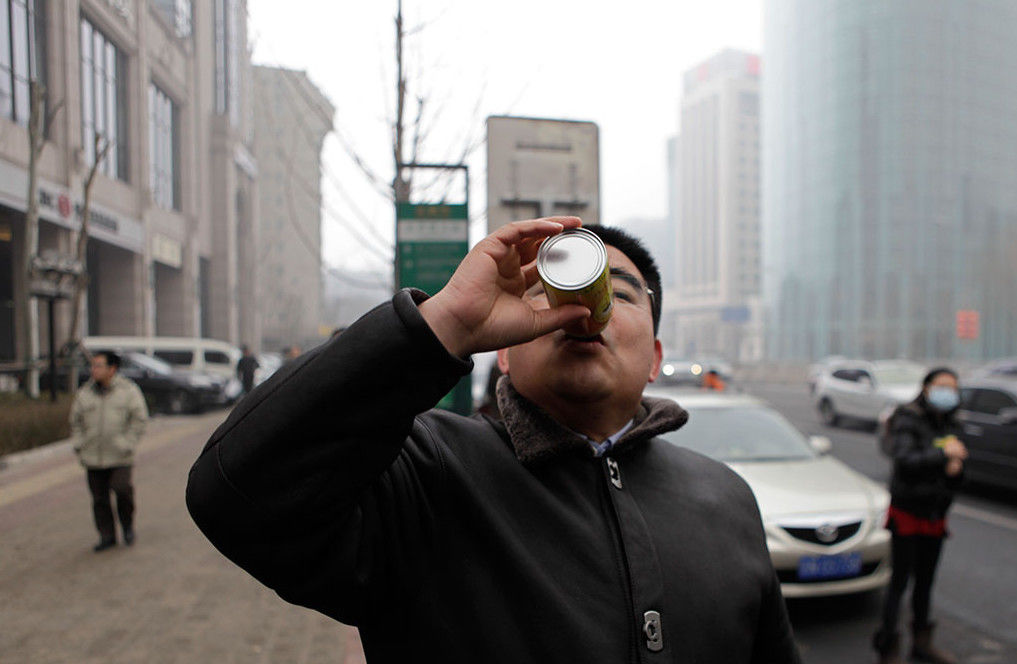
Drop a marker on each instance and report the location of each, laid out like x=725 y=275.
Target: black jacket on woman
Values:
x=920 y=485
x=453 y=539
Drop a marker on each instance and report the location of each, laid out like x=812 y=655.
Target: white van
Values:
x=209 y=356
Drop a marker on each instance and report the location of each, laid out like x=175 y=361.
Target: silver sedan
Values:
x=823 y=521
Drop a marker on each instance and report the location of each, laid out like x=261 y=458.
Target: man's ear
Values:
x=503 y=360
x=658 y=356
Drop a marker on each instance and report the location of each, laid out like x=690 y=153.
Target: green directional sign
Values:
x=431 y=240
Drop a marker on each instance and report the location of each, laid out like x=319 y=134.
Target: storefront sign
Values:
x=167 y=251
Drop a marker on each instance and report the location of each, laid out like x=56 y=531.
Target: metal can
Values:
x=574 y=270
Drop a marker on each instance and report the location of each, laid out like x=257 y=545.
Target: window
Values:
x=22 y=28
x=991 y=402
x=103 y=100
x=175 y=357
x=227 y=61
x=217 y=357
x=163 y=155
x=846 y=374
x=177 y=13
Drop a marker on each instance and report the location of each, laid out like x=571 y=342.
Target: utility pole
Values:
x=400 y=185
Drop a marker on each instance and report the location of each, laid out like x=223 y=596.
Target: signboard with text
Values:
x=431 y=241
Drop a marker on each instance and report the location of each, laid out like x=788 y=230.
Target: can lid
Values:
x=571 y=260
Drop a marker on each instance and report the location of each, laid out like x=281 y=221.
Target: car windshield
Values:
x=911 y=374
x=152 y=364
x=750 y=433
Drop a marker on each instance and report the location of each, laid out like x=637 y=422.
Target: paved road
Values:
x=975 y=596
x=170 y=598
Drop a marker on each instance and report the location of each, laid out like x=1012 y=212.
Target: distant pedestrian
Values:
x=713 y=381
x=246 y=367
x=928 y=465
x=108 y=418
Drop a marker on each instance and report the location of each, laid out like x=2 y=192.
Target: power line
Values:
x=316 y=253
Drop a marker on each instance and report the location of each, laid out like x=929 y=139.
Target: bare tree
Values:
x=102 y=146
x=39 y=124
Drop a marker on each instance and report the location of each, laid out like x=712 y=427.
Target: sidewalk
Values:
x=170 y=598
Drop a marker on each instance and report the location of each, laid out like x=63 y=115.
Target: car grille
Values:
x=791 y=575
x=844 y=532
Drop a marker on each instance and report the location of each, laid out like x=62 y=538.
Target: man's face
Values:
x=102 y=372
x=616 y=365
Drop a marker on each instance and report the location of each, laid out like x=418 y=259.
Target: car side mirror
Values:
x=1008 y=415
x=821 y=444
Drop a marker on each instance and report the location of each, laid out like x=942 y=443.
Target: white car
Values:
x=817 y=368
x=823 y=521
x=863 y=390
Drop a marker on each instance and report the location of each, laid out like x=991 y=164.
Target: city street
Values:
x=976 y=586
x=173 y=598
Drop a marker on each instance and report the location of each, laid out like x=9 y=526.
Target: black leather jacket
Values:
x=454 y=539
x=920 y=485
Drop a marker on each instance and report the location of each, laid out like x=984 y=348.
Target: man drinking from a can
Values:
x=568 y=532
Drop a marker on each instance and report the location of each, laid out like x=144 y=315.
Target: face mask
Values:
x=943 y=399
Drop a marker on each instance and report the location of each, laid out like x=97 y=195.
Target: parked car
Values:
x=194 y=354
x=988 y=418
x=823 y=521
x=1004 y=368
x=864 y=390
x=268 y=364
x=818 y=367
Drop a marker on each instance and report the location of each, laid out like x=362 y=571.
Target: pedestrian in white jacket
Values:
x=108 y=418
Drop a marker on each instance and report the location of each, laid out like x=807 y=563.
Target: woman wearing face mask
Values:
x=928 y=465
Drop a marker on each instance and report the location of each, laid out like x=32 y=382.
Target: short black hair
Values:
x=112 y=359
x=934 y=373
x=635 y=251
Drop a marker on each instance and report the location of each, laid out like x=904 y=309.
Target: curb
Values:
x=36 y=453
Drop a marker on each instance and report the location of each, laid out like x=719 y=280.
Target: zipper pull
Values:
x=614 y=473
x=651 y=628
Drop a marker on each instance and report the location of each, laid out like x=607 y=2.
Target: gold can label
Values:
x=573 y=268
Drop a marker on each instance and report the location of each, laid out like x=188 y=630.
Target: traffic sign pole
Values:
x=431 y=240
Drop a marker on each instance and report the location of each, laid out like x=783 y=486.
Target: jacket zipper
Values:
x=614 y=483
x=102 y=426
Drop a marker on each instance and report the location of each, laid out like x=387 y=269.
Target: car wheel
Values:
x=178 y=403
x=828 y=413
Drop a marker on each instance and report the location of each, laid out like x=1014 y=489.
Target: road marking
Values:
x=986 y=516
x=36 y=484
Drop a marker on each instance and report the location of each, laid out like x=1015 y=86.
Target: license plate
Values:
x=840 y=566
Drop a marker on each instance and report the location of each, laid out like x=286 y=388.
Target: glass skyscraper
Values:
x=889 y=172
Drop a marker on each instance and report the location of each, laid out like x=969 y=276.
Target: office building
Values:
x=165 y=84
x=890 y=179
x=292 y=119
x=716 y=303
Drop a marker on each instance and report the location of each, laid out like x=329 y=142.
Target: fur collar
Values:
x=536 y=436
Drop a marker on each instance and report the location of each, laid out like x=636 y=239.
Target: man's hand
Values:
x=954 y=467
x=482 y=307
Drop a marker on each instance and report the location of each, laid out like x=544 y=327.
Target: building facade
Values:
x=540 y=167
x=716 y=302
x=292 y=118
x=159 y=93
x=890 y=179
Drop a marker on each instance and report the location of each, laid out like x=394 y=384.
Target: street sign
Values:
x=431 y=241
x=967 y=324
x=735 y=314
